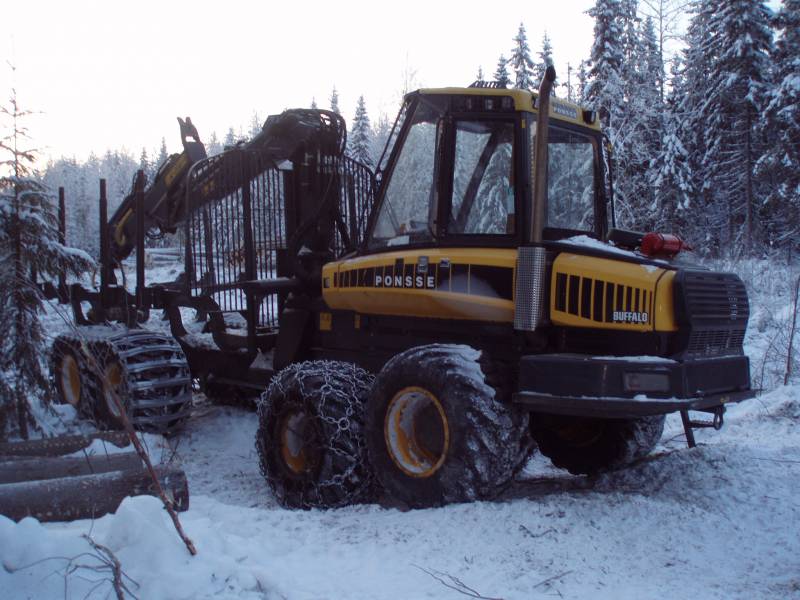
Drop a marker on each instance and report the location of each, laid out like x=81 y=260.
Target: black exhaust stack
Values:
x=531 y=284
x=540 y=157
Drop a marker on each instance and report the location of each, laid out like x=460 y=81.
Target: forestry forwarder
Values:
x=475 y=275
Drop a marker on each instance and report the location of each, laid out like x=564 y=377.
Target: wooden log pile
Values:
x=37 y=480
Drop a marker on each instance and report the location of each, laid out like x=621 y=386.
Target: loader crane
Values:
x=420 y=329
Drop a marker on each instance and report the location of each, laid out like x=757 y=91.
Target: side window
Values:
x=405 y=212
x=570 y=181
x=483 y=183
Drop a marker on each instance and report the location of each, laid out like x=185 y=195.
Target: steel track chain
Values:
x=153 y=378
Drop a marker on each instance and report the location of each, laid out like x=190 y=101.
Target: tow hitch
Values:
x=689 y=426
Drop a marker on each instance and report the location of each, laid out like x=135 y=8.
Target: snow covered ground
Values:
x=719 y=521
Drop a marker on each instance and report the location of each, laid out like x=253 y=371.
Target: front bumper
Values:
x=591 y=386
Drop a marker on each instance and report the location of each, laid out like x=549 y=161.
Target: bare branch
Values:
x=553 y=578
x=110 y=561
x=107 y=563
x=788 y=374
x=137 y=444
x=454 y=583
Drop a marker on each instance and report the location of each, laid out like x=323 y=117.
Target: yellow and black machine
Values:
x=418 y=331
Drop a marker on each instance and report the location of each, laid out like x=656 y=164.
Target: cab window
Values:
x=406 y=214
x=570 y=181
x=482 y=201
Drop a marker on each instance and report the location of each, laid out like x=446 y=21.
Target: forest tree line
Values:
x=706 y=140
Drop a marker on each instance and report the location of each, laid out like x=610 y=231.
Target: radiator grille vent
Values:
x=714 y=306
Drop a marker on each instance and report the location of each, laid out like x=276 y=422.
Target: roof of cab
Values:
x=524 y=100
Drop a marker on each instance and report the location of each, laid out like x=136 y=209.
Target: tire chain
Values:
x=156 y=380
x=338 y=429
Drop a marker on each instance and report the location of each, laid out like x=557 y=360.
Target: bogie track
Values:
x=146 y=370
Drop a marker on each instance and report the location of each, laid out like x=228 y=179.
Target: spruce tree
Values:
x=604 y=90
x=650 y=62
x=644 y=121
x=583 y=80
x=255 y=125
x=480 y=74
x=501 y=73
x=230 y=139
x=545 y=58
x=80 y=202
x=334 y=101
x=739 y=44
x=670 y=177
x=667 y=16
x=360 y=142
x=521 y=62
x=779 y=168
x=313 y=103
x=145 y=164
x=213 y=147
x=380 y=135
x=29 y=245
x=695 y=75
x=629 y=23
x=162 y=154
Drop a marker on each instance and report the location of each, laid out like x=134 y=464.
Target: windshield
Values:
x=407 y=211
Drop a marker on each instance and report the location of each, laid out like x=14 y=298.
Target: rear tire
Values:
x=113 y=382
x=310 y=439
x=148 y=373
x=436 y=430
x=68 y=373
x=586 y=446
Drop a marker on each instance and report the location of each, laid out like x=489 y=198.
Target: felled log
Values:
x=88 y=496
x=33 y=469
x=65 y=444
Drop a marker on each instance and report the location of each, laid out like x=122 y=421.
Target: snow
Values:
x=589 y=242
x=714 y=522
x=711 y=522
x=637 y=359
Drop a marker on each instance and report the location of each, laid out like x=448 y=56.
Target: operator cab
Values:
x=458 y=172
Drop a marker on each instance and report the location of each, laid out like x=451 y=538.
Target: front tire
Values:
x=437 y=432
x=310 y=439
x=585 y=446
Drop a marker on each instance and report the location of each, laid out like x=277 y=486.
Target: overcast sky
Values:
x=111 y=74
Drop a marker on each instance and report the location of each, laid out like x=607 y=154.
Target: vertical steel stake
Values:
x=105 y=263
x=140 y=233
x=249 y=253
x=62 y=238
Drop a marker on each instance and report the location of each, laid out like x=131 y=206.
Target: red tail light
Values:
x=662 y=245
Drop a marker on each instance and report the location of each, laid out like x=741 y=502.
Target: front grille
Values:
x=600 y=300
x=713 y=298
x=715 y=342
x=714 y=309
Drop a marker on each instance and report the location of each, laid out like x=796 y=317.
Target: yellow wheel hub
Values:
x=417 y=432
x=293 y=450
x=70 y=379
x=112 y=385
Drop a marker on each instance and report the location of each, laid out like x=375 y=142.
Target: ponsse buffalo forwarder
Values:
x=417 y=330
